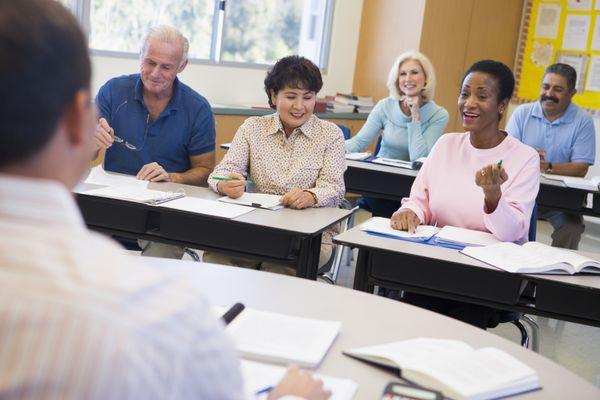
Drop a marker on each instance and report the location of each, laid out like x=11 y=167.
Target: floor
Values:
x=574 y=346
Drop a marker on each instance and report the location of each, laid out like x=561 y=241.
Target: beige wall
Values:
x=227 y=85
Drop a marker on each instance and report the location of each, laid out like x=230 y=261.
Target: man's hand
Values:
x=298 y=199
x=490 y=178
x=405 y=220
x=300 y=383
x=104 y=135
x=234 y=188
x=153 y=172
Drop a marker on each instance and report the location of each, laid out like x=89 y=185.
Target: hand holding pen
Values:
x=234 y=185
x=490 y=178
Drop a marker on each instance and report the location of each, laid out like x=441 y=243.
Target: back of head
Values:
x=43 y=63
x=566 y=71
x=294 y=72
x=498 y=70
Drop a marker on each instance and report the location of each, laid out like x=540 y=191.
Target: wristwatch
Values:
x=549 y=168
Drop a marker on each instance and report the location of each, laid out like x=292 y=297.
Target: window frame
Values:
x=81 y=9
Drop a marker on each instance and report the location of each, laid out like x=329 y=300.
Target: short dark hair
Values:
x=294 y=72
x=43 y=62
x=502 y=74
x=564 y=70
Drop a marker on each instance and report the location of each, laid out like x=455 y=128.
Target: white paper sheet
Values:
x=135 y=193
x=98 y=176
x=593 y=79
x=260 y=200
x=258 y=376
x=548 y=17
x=358 y=156
x=596 y=35
x=382 y=225
x=577 y=29
x=207 y=207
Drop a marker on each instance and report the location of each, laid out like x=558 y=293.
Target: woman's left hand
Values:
x=413 y=105
x=490 y=178
x=298 y=199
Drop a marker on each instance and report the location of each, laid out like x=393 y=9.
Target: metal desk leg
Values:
x=361 y=274
x=308 y=259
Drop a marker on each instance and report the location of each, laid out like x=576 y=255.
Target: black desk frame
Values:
x=418 y=274
x=140 y=221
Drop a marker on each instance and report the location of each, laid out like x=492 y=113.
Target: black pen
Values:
x=233 y=312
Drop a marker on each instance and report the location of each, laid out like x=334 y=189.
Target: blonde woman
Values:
x=410 y=120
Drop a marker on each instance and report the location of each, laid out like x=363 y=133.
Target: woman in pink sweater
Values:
x=483 y=179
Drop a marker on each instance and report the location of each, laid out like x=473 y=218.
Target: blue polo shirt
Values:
x=185 y=127
x=570 y=138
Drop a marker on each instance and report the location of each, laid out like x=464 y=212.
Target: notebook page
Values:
x=258 y=376
x=98 y=176
x=262 y=200
x=511 y=257
x=467 y=237
x=134 y=193
x=281 y=338
x=382 y=225
x=558 y=255
x=207 y=207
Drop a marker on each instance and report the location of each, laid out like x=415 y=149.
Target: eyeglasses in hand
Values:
x=125 y=143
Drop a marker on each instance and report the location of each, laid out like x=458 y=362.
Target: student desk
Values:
x=366 y=320
x=444 y=272
x=286 y=236
x=394 y=183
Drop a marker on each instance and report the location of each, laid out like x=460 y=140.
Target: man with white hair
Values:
x=155 y=127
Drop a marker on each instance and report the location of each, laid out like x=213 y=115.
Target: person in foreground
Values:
x=291 y=153
x=410 y=119
x=78 y=318
x=483 y=179
x=154 y=126
x=565 y=138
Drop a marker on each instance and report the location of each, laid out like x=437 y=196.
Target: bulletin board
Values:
x=566 y=31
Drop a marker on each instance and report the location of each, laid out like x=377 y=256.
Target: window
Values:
x=220 y=31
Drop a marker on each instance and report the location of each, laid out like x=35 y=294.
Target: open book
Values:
x=135 y=193
x=258 y=376
x=453 y=367
x=258 y=200
x=592 y=184
x=533 y=257
x=465 y=237
x=279 y=338
x=381 y=226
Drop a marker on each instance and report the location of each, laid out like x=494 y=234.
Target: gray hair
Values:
x=392 y=82
x=167 y=34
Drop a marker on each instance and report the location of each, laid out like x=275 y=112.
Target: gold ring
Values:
x=482 y=173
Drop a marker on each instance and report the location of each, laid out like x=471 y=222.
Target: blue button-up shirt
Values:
x=570 y=138
x=184 y=128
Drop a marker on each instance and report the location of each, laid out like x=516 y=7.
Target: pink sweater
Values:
x=445 y=193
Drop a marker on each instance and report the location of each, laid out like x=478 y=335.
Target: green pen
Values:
x=500 y=164
x=222 y=178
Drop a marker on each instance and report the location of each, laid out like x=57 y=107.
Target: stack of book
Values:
x=349 y=103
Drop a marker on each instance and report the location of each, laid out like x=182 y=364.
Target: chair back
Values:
x=378 y=145
x=533 y=223
x=345 y=131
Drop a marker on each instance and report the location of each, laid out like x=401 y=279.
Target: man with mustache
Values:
x=564 y=136
x=155 y=127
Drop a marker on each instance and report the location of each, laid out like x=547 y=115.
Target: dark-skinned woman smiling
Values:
x=482 y=179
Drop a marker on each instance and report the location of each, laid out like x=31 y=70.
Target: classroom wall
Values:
x=239 y=85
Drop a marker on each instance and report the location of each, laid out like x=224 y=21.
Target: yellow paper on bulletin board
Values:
x=560 y=31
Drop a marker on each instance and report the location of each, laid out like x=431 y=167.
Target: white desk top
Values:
x=366 y=320
x=308 y=221
x=381 y=167
x=359 y=238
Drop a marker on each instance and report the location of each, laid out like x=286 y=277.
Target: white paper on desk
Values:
x=98 y=176
x=548 y=17
x=582 y=183
x=465 y=237
x=553 y=177
x=577 y=29
x=135 y=193
x=207 y=207
x=394 y=162
x=358 y=156
x=258 y=376
x=282 y=339
x=260 y=200
x=593 y=79
x=382 y=226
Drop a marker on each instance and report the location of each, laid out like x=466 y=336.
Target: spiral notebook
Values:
x=136 y=193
